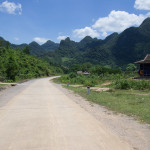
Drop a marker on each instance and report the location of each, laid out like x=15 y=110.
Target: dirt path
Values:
x=37 y=115
x=128 y=129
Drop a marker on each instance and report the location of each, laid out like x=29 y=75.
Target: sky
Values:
x=24 y=21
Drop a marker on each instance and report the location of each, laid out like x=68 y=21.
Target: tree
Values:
x=7 y=45
x=86 y=66
x=11 y=68
x=131 y=67
x=26 y=50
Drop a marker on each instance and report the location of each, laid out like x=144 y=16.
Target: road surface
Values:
x=36 y=115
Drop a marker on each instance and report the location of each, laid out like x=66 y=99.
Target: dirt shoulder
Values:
x=4 y=87
x=132 y=131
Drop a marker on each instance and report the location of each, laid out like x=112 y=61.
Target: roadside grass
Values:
x=128 y=102
x=56 y=80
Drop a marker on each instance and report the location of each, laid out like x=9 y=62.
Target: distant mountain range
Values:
x=115 y=50
x=35 y=48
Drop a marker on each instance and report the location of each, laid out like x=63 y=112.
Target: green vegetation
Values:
x=125 y=95
x=122 y=101
x=72 y=78
x=132 y=84
x=116 y=50
x=98 y=74
x=18 y=65
x=64 y=59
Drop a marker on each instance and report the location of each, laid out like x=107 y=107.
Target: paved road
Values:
x=36 y=115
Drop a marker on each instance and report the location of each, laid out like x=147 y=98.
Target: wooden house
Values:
x=144 y=69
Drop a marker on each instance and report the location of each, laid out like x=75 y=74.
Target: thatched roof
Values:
x=145 y=61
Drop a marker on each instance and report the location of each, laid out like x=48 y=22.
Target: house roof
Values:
x=86 y=73
x=145 y=61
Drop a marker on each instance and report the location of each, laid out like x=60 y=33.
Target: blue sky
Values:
x=22 y=21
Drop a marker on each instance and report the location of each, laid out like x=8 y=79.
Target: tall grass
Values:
x=79 y=79
x=91 y=80
x=132 y=84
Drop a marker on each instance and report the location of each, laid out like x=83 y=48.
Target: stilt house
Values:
x=144 y=69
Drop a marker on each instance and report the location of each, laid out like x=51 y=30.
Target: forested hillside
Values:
x=17 y=65
x=116 y=50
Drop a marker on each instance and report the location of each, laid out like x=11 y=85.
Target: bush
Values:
x=132 y=84
x=90 y=83
x=72 y=75
x=122 y=84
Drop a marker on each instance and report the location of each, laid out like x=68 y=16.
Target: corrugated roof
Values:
x=145 y=61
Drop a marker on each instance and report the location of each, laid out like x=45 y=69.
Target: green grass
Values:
x=56 y=80
x=122 y=101
x=64 y=59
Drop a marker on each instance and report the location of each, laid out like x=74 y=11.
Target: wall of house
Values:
x=146 y=69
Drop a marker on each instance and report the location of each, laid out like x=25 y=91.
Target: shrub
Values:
x=132 y=84
x=90 y=83
x=72 y=75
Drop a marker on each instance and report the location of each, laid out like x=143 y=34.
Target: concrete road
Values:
x=36 y=115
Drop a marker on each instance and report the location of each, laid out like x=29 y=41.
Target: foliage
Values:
x=16 y=65
x=97 y=74
x=26 y=50
x=132 y=84
x=131 y=67
x=117 y=50
x=73 y=78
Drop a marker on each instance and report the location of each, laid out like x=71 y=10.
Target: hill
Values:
x=50 y=46
x=16 y=65
x=116 y=50
x=35 y=48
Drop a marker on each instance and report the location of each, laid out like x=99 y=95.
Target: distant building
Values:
x=86 y=73
x=144 y=70
x=79 y=72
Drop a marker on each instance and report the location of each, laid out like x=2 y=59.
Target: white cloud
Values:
x=16 y=38
x=62 y=37
x=11 y=8
x=104 y=34
x=40 y=40
x=142 y=4
x=117 y=21
x=87 y=31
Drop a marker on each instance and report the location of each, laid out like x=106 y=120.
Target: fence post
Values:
x=67 y=84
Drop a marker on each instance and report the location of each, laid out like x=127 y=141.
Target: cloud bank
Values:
x=11 y=8
x=116 y=21
x=142 y=4
x=87 y=31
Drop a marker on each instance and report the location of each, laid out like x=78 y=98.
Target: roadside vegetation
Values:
x=132 y=103
x=124 y=95
x=19 y=65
